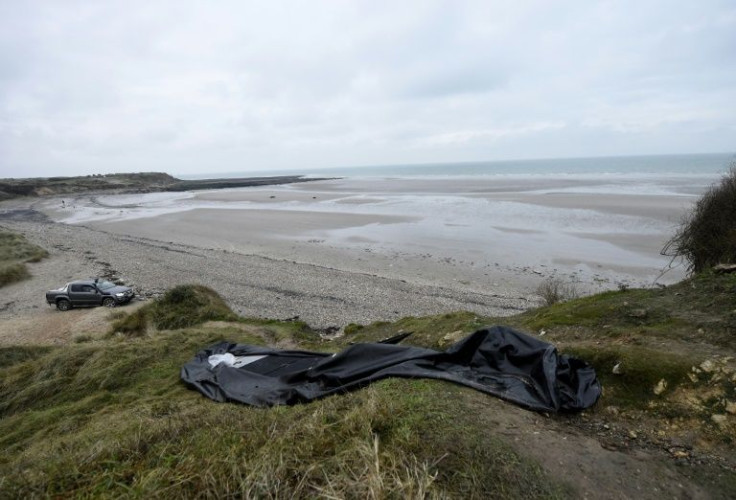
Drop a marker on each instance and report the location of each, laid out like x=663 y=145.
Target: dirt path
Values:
x=580 y=460
x=52 y=327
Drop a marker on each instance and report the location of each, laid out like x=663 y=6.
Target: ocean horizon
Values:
x=711 y=164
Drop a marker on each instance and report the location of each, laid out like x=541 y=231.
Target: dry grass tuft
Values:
x=15 y=251
x=555 y=290
x=183 y=306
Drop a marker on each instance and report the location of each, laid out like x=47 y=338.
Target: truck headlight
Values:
x=120 y=294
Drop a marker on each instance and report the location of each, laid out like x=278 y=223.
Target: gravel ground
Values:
x=254 y=286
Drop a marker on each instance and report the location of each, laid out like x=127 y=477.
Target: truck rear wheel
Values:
x=63 y=305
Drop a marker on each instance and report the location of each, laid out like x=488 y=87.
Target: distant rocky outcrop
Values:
x=49 y=186
x=136 y=182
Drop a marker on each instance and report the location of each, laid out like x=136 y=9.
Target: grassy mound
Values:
x=112 y=418
x=12 y=273
x=15 y=251
x=181 y=307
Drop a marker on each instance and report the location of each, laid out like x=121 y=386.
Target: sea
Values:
x=696 y=165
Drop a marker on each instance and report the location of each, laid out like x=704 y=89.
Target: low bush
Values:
x=181 y=307
x=554 y=290
x=707 y=234
x=15 y=251
x=188 y=305
x=15 y=248
x=13 y=272
x=134 y=324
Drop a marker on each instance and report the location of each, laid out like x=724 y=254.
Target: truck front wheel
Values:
x=63 y=305
x=108 y=302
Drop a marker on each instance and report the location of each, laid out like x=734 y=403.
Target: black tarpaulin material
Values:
x=496 y=360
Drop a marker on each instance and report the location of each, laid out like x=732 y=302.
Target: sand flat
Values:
x=485 y=232
x=667 y=208
x=223 y=228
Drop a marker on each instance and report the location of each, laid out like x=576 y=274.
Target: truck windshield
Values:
x=105 y=285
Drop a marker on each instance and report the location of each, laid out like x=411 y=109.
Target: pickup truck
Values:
x=89 y=293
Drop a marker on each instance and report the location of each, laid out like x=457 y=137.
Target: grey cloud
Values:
x=181 y=86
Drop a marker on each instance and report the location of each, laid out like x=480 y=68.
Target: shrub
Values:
x=181 y=307
x=15 y=251
x=13 y=272
x=14 y=247
x=188 y=305
x=554 y=290
x=707 y=234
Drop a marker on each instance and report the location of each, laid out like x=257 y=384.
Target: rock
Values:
x=719 y=420
x=693 y=377
x=632 y=435
x=638 y=313
x=725 y=268
x=731 y=407
x=613 y=410
x=451 y=338
x=660 y=387
x=617 y=369
x=707 y=366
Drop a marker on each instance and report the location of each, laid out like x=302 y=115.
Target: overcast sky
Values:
x=216 y=86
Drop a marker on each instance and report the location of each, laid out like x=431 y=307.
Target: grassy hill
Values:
x=129 y=183
x=44 y=186
x=108 y=415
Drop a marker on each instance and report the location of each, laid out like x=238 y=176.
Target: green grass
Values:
x=640 y=371
x=428 y=331
x=108 y=416
x=12 y=273
x=181 y=307
x=18 y=354
x=608 y=328
x=15 y=252
x=698 y=310
x=125 y=425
